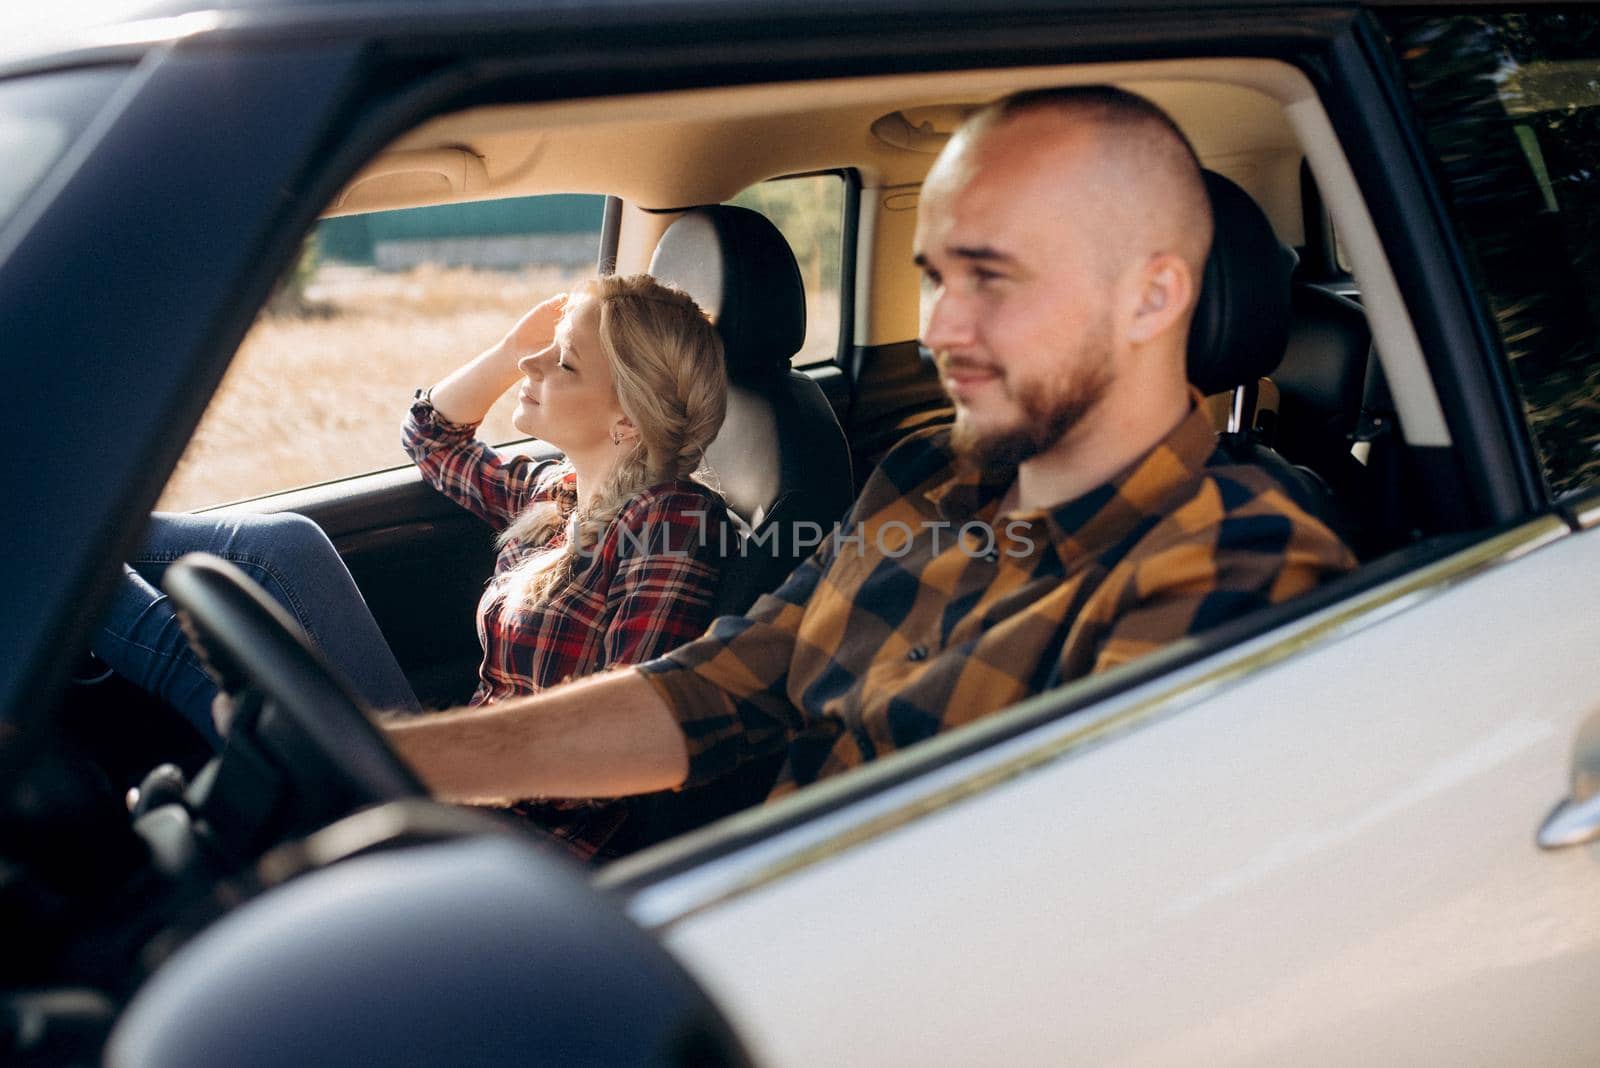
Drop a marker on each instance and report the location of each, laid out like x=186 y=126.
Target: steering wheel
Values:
x=248 y=642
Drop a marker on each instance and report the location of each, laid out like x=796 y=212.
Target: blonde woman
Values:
x=607 y=557
x=610 y=556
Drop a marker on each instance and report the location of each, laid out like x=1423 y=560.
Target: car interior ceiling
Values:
x=1302 y=395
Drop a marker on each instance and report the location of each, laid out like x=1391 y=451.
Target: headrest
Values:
x=738 y=267
x=1241 y=322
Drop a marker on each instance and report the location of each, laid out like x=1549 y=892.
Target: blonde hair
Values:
x=667 y=367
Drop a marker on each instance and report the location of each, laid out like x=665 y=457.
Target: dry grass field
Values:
x=318 y=397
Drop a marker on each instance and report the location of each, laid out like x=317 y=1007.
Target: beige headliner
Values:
x=677 y=150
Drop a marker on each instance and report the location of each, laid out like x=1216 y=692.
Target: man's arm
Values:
x=608 y=735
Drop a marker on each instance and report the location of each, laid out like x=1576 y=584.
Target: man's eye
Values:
x=984 y=277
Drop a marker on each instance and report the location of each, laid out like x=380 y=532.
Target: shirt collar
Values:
x=969 y=490
x=1098 y=519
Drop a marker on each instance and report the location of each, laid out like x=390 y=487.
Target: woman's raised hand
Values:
x=536 y=329
x=465 y=394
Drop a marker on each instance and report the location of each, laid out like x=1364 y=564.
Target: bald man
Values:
x=1076 y=516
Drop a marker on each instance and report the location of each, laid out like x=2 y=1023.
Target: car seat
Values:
x=1241 y=327
x=781 y=459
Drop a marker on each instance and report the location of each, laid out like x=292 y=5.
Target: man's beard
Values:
x=1049 y=412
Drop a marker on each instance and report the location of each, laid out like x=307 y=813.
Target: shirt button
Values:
x=917 y=652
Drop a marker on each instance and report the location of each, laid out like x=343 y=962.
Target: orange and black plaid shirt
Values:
x=928 y=610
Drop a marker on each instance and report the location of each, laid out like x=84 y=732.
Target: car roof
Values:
x=36 y=33
x=38 y=30
x=118 y=11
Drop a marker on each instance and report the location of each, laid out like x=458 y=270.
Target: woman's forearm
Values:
x=466 y=394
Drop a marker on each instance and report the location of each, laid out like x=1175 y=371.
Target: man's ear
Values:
x=1166 y=294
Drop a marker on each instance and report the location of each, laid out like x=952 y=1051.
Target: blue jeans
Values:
x=293 y=561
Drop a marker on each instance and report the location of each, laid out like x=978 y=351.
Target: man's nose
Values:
x=948 y=322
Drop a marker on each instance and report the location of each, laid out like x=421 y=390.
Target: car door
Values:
x=1331 y=861
x=1322 y=846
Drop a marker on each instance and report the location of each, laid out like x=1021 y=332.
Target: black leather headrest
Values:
x=738 y=267
x=1241 y=323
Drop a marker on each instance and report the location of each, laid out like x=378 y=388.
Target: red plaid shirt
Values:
x=648 y=586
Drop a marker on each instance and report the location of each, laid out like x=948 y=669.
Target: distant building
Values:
x=562 y=230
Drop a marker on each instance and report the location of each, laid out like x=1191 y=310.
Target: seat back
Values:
x=1240 y=329
x=1326 y=366
x=1241 y=317
x=781 y=459
x=1323 y=373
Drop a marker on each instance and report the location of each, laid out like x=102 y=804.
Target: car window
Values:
x=39 y=118
x=809 y=211
x=376 y=306
x=1511 y=107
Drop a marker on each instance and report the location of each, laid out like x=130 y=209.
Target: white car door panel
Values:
x=1331 y=862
